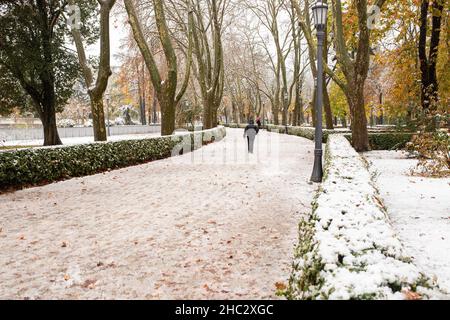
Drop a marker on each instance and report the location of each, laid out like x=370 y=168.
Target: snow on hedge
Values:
x=348 y=249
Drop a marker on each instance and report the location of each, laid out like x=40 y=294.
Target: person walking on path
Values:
x=258 y=122
x=251 y=130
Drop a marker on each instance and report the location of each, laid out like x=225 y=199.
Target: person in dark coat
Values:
x=258 y=122
x=251 y=130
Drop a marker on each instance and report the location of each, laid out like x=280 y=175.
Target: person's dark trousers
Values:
x=251 y=142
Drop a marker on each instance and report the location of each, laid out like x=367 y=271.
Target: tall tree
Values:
x=209 y=69
x=354 y=65
x=298 y=74
x=34 y=60
x=165 y=88
x=429 y=81
x=96 y=91
x=268 y=13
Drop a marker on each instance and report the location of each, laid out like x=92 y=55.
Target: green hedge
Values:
x=387 y=141
x=305 y=132
x=235 y=125
x=43 y=165
x=377 y=140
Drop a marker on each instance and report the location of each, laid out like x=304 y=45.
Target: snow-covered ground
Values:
x=209 y=224
x=78 y=140
x=420 y=212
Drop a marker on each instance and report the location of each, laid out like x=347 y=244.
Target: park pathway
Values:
x=212 y=224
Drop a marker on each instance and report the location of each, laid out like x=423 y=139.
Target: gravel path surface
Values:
x=213 y=224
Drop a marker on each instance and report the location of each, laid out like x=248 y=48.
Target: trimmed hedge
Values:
x=44 y=165
x=236 y=125
x=377 y=140
x=347 y=247
x=388 y=140
x=305 y=132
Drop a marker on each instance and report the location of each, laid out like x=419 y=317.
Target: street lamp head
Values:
x=320 y=11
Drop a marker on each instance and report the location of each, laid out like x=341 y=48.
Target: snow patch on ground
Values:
x=353 y=252
x=419 y=209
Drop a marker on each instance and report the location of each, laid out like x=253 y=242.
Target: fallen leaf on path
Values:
x=280 y=286
x=410 y=295
x=89 y=284
x=207 y=288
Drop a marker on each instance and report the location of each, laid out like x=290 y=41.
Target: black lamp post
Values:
x=320 y=11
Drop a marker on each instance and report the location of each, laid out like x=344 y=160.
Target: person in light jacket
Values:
x=251 y=130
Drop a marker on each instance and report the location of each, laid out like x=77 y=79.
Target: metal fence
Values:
x=13 y=134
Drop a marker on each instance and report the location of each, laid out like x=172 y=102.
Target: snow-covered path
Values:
x=223 y=226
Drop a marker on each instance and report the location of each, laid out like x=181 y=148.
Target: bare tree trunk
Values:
x=165 y=89
x=48 y=114
x=47 y=100
x=285 y=106
x=326 y=97
x=140 y=71
x=327 y=107
x=48 y=119
x=429 y=84
x=98 y=117
x=275 y=111
x=167 y=117
x=154 y=106
x=104 y=72
x=360 y=138
x=344 y=121
x=210 y=66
